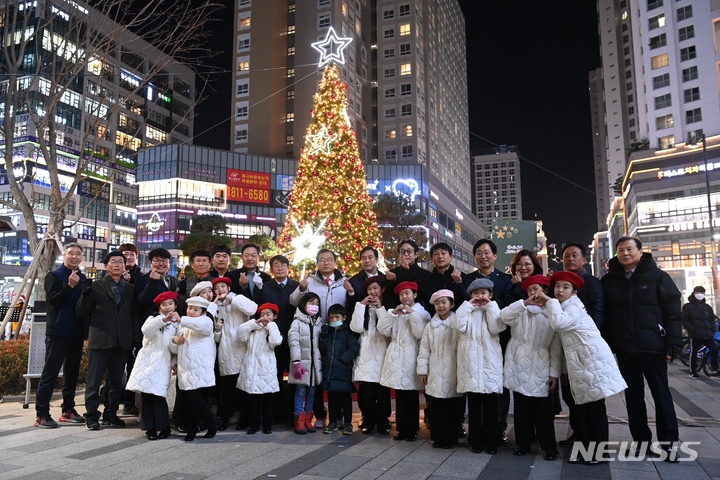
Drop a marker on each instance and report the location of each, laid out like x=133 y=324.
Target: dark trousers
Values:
x=483 y=423
x=319 y=404
x=128 y=398
x=339 y=405
x=373 y=405
x=112 y=361
x=261 y=410
x=534 y=415
x=570 y=402
x=155 y=414
x=695 y=345
x=59 y=351
x=444 y=419
x=407 y=407
x=636 y=368
x=503 y=409
x=198 y=415
x=592 y=424
x=228 y=395
x=179 y=412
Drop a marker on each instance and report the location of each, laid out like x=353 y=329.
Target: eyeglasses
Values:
x=407 y=252
x=526 y=265
x=116 y=262
x=160 y=260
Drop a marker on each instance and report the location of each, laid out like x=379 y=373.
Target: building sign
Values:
x=247 y=186
x=687 y=170
x=511 y=237
x=401 y=186
x=94 y=188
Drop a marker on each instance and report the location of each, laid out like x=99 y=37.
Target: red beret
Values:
x=165 y=296
x=224 y=280
x=271 y=306
x=571 y=277
x=379 y=279
x=535 y=280
x=404 y=286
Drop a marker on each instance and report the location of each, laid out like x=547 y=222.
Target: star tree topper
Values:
x=308 y=243
x=331 y=49
x=321 y=141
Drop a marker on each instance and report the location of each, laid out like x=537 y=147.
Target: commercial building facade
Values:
x=496 y=185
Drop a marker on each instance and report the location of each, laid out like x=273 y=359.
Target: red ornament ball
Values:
x=343 y=208
x=327 y=234
x=313 y=214
x=318 y=201
x=356 y=235
x=358 y=221
x=347 y=226
x=348 y=257
x=330 y=114
x=357 y=246
x=336 y=191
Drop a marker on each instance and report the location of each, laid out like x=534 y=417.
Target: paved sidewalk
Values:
x=73 y=452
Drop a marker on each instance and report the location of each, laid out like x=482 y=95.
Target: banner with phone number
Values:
x=247 y=186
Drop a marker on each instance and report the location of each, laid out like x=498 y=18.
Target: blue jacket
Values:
x=61 y=299
x=339 y=347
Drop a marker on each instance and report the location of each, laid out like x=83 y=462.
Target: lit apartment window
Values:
x=291 y=29
x=656 y=22
x=291 y=51
x=690 y=73
x=686 y=33
x=405 y=69
x=290 y=72
x=290 y=117
x=244 y=66
x=663 y=101
x=666 y=121
x=404 y=29
x=404 y=9
x=687 y=53
x=392 y=133
x=683 y=13
x=244 y=22
x=290 y=94
x=406 y=110
x=661 y=81
x=666 y=142
x=692 y=94
x=289 y=139
x=694 y=115
x=659 y=61
x=407 y=131
x=291 y=8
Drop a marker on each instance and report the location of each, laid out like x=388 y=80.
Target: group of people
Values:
x=466 y=339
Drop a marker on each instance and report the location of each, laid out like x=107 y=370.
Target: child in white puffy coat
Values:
x=195 y=348
x=532 y=367
x=233 y=311
x=480 y=365
x=373 y=398
x=437 y=367
x=305 y=360
x=153 y=365
x=592 y=370
x=258 y=377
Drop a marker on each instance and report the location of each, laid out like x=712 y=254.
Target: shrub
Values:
x=13 y=365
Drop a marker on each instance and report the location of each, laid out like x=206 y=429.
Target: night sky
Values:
x=528 y=66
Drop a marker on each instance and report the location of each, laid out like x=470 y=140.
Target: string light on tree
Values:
x=330 y=183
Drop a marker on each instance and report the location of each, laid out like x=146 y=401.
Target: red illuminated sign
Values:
x=247 y=186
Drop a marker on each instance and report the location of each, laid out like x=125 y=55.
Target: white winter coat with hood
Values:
x=437 y=358
x=196 y=357
x=405 y=331
x=373 y=345
x=329 y=295
x=534 y=352
x=592 y=370
x=234 y=313
x=152 y=370
x=303 y=340
x=259 y=372
x=479 y=368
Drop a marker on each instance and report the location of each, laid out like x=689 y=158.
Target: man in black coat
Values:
x=368 y=259
x=200 y=264
x=248 y=280
x=64 y=338
x=443 y=276
x=155 y=282
x=642 y=319
x=278 y=291
x=407 y=270
x=699 y=321
x=110 y=305
x=485 y=253
x=132 y=269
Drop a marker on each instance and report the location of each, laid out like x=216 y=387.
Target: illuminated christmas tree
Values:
x=330 y=195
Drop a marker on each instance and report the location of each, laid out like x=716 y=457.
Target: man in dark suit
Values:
x=220 y=261
x=368 y=259
x=110 y=305
x=278 y=291
x=248 y=280
x=155 y=282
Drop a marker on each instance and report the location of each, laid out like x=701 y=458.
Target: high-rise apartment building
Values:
x=123 y=95
x=658 y=85
x=405 y=70
x=496 y=185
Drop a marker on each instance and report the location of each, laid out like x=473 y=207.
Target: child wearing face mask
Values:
x=305 y=360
